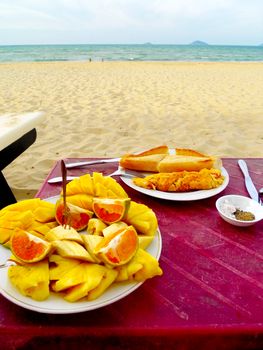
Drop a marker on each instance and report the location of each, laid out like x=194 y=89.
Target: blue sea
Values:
x=143 y=52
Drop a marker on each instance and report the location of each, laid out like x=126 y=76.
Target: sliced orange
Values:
x=110 y=210
x=28 y=247
x=118 y=248
x=79 y=217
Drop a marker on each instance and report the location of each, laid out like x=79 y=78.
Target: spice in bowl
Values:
x=236 y=213
x=244 y=215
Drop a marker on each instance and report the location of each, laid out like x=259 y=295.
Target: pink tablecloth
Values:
x=209 y=297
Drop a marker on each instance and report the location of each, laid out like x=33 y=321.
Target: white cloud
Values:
x=168 y=21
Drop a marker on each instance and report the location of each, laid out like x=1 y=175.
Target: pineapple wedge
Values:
x=44 y=214
x=60 y=233
x=142 y=266
x=96 y=226
x=142 y=218
x=145 y=241
x=108 y=278
x=59 y=266
x=90 y=242
x=71 y=249
x=81 y=200
x=150 y=265
x=117 y=226
x=93 y=273
x=71 y=278
x=31 y=280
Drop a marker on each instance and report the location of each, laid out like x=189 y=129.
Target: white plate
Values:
x=55 y=304
x=182 y=196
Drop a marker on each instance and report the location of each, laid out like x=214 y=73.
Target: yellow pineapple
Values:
x=90 y=276
x=44 y=214
x=72 y=277
x=27 y=204
x=145 y=241
x=96 y=226
x=31 y=279
x=142 y=218
x=60 y=232
x=90 y=243
x=59 y=266
x=71 y=249
x=107 y=280
x=81 y=200
x=150 y=265
x=83 y=184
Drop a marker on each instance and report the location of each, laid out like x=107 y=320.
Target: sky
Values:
x=229 y=22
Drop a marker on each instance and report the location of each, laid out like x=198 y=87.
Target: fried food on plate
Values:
x=182 y=181
x=159 y=160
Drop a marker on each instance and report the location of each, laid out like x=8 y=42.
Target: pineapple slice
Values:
x=126 y=272
x=31 y=279
x=113 y=228
x=59 y=266
x=71 y=249
x=144 y=241
x=84 y=184
x=90 y=242
x=114 y=187
x=60 y=233
x=27 y=204
x=96 y=226
x=5 y=235
x=43 y=229
x=44 y=214
x=81 y=200
x=93 y=275
x=142 y=218
x=72 y=277
x=150 y=267
x=108 y=278
x=142 y=266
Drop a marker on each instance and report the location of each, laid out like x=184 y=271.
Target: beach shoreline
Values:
x=106 y=109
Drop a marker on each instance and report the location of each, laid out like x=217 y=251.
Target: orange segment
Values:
x=110 y=210
x=118 y=248
x=79 y=217
x=28 y=247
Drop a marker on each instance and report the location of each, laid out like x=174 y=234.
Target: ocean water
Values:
x=145 y=52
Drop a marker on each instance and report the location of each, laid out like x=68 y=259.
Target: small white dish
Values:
x=241 y=203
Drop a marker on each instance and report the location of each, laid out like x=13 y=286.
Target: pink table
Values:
x=210 y=296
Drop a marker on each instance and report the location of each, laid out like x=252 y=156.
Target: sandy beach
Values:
x=111 y=108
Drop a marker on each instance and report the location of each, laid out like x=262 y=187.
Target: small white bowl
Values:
x=242 y=203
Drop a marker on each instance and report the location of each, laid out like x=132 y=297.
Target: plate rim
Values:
x=79 y=306
x=180 y=197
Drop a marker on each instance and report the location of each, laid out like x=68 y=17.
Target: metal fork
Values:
x=120 y=172
x=66 y=216
x=129 y=173
x=260 y=196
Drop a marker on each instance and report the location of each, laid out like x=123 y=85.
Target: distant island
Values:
x=199 y=43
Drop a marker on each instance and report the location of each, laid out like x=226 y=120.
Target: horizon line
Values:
x=194 y=43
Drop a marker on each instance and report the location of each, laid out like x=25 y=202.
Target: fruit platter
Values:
x=110 y=248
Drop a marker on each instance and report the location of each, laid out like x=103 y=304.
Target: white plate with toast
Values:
x=55 y=304
x=180 y=196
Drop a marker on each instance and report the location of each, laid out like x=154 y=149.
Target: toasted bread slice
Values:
x=175 y=162
x=143 y=163
x=158 y=159
x=189 y=152
x=156 y=150
x=146 y=160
